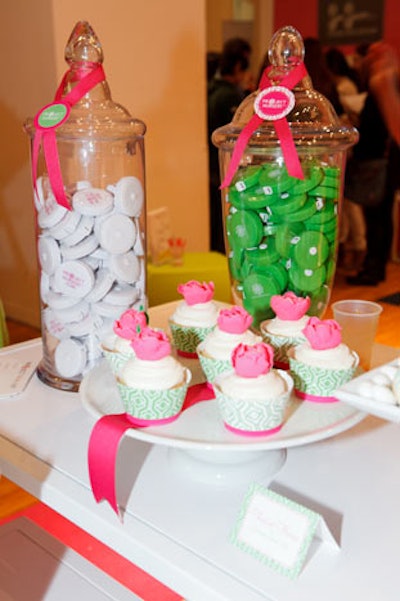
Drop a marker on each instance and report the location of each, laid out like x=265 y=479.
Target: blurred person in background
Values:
x=213 y=59
x=380 y=134
x=352 y=233
x=321 y=77
x=384 y=82
x=347 y=81
x=241 y=47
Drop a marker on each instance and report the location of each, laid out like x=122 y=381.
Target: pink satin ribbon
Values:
x=315 y=398
x=109 y=430
x=45 y=135
x=187 y=354
x=281 y=365
x=282 y=129
x=106 y=436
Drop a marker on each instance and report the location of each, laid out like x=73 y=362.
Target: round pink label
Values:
x=274 y=103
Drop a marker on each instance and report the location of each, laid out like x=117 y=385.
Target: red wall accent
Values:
x=304 y=16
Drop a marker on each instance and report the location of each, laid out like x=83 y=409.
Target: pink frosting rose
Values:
x=196 y=292
x=289 y=306
x=129 y=324
x=251 y=361
x=151 y=345
x=234 y=320
x=323 y=333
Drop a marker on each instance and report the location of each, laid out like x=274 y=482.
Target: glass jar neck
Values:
x=79 y=70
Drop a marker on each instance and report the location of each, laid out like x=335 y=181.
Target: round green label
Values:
x=52 y=115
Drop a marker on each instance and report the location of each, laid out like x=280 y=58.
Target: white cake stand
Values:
x=200 y=447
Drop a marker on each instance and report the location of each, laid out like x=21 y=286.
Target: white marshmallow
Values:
x=74 y=278
x=50 y=213
x=66 y=226
x=129 y=196
x=92 y=201
x=78 y=251
x=125 y=267
x=54 y=325
x=72 y=314
x=117 y=234
x=83 y=230
x=103 y=284
x=49 y=254
x=122 y=295
x=70 y=358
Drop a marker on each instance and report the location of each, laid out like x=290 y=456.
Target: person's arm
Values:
x=384 y=83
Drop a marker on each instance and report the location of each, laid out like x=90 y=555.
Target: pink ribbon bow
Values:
x=272 y=103
x=52 y=116
x=106 y=436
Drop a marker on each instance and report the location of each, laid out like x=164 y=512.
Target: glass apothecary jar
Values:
x=89 y=192
x=281 y=212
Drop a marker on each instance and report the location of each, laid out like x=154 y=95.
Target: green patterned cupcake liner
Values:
x=317 y=383
x=153 y=404
x=281 y=346
x=252 y=416
x=115 y=360
x=187 y=338
x=213 y=368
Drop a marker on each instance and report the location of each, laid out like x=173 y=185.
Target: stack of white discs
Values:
x=92 y=262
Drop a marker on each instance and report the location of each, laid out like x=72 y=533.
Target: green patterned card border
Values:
x=268 y=520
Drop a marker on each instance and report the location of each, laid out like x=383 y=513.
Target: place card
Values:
x=278 y=531
x=16 y=369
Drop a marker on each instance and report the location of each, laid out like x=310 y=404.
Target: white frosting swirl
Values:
x=162 y=374
x=264 y=387
x=108 y=342
x=284 y=327
x=340 y=357
x=122 y=345
x=117 y=344
x=201 y=315
x=219 y=344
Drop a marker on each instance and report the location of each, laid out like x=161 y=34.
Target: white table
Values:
x=178 y=529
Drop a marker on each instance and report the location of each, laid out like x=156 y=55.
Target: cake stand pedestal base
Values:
x=226 y=468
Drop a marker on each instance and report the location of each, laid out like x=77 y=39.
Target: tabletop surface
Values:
x=178 y=528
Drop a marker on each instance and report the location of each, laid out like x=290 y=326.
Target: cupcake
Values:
x=323 y=363
x=216 y=349
x=117 y=347
x=286 y=329
x=153 y=384
x=194 y=317
x=252 y=399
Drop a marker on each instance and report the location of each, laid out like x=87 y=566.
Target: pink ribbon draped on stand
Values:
x=52 y=116
x=106 y=436
x=272 y=103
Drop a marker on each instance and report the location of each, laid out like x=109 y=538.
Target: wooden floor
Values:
x=13 y=499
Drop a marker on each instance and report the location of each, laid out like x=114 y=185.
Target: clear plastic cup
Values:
x=359 y=321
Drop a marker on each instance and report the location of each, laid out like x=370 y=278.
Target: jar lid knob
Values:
x=83 y=45
x=286 y=48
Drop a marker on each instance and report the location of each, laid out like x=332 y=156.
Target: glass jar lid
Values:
x=313 y=121
x=95 y=115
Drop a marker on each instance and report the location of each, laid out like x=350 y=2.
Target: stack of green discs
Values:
x=282 y=234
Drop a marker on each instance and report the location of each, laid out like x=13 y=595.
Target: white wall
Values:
x=155 y=64
x=27 y=81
